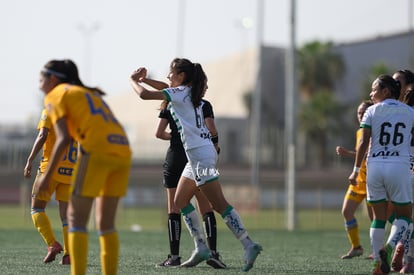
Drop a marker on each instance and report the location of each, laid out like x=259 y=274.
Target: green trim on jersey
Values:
x=365 y=126
x=167 y=95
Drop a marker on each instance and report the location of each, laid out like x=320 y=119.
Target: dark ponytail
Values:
x=194 y=77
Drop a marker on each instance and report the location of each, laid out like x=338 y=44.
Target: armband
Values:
x=356 y=169
x=214 y=139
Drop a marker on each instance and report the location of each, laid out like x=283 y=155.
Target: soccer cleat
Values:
x=354 y=252
x=199 y=254
x=65 y=260
x=407 y=268
x=384 y=264
x=250 y=255
x=170 y=262
x=215 y=261
x=397 y=258
x=52 y=251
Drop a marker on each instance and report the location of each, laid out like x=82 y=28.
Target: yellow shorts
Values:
x=101 y=175
x=354 y=196
x=61 y=190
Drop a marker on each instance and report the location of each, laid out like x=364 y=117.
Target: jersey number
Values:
x=102 y=110
x=72 y=152
x=198 y=118
x=388 y=134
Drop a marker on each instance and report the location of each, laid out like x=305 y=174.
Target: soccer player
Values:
x=406 y=79
x=355 y=193
x=387 y=131
x=408 y=246
x=174 y=164
x=59 y=184
x=102 y=169
x=187 y=85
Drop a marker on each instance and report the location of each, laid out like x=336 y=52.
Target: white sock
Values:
x=406 y=240
x=234 y=223
x=192 y=221
x=398 y=231
x=377 y=240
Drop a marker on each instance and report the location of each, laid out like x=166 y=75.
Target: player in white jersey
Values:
x=387 y=131
x=406 y=79
x=408 y=246
x=188 y=82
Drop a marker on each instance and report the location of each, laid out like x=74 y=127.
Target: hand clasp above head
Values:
x=139 y=74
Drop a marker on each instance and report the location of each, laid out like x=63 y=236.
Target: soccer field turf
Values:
x=302 y=252
x=313 y=249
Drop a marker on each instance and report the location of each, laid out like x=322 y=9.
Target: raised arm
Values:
x=137 y=77
x=159 y=85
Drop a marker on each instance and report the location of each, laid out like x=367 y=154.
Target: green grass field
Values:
x=314 y=248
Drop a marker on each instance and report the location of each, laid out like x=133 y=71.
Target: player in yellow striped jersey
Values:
x=102 y=169
x=60 y=185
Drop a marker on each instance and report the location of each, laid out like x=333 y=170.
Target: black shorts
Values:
x=173 y=166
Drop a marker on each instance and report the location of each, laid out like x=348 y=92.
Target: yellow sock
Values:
x=42 y=223
x=78 y=247
x=109 y=253
x=353 y=236
x=65 y=240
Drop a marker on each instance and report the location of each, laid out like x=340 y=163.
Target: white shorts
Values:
x=389 y=181
x=201 y=165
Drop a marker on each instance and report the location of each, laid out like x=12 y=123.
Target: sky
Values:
x=108 y=39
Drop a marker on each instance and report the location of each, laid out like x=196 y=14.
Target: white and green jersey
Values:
x=391 y=123
x=189 y=120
